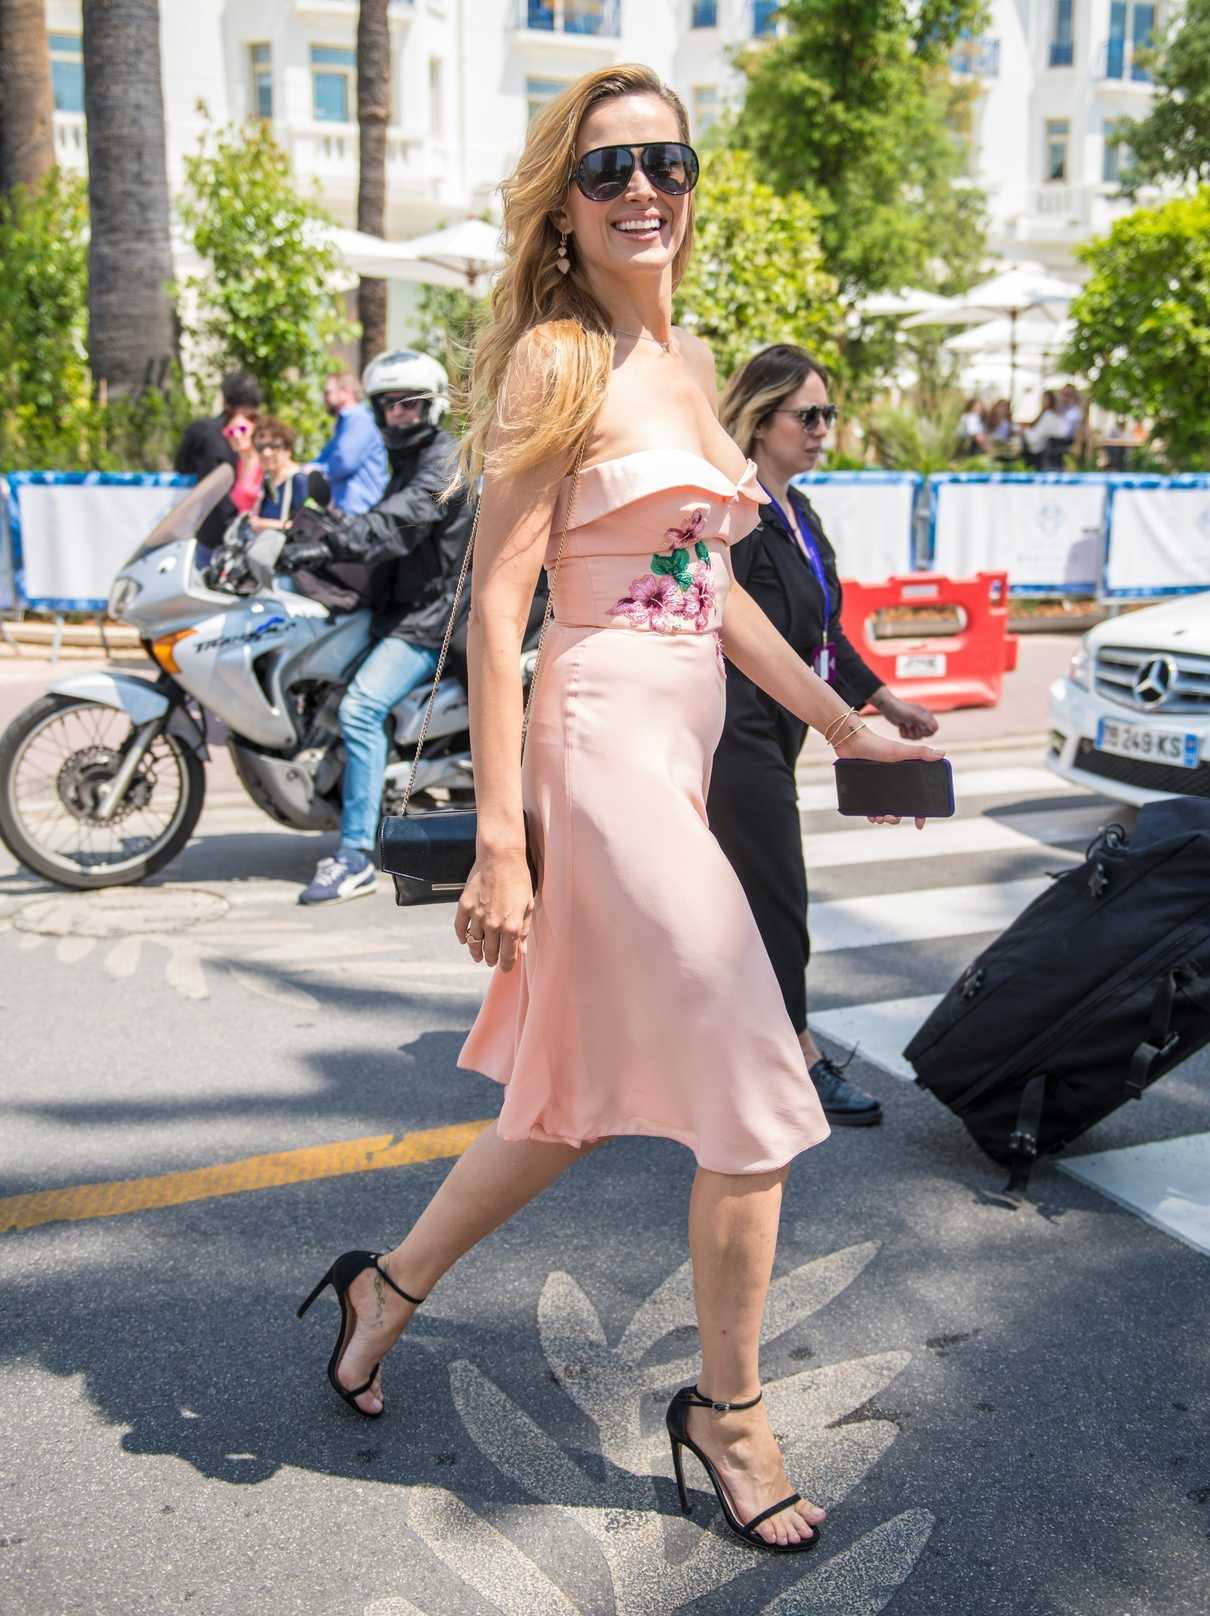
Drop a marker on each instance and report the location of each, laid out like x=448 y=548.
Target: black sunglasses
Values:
x=407 y=400
x=810 y=418
x=604 y=173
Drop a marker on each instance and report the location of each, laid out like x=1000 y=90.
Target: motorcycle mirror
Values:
x=319 y=489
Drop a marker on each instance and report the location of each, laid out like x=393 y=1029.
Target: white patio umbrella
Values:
x=890 y=305
x=1032 y=336
x=466 y=255
x=1022 y=291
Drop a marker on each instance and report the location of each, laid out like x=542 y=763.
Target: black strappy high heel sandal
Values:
x=340 y=1276
x=676 y=1420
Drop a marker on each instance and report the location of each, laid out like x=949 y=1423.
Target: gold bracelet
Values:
x=838 y=723
x=848 y=736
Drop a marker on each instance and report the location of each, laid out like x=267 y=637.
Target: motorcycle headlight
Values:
x=123 y=595
x=1080 y=671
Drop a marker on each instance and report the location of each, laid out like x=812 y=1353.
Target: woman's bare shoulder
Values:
x=698 y=356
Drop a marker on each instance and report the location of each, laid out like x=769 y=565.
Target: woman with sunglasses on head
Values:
x=632 y=994
x=776 y=408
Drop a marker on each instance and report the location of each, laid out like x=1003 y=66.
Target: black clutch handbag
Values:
x=429 y=852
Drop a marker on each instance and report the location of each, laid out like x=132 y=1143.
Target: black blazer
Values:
x=771 y=566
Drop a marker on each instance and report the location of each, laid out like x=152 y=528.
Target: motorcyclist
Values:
x=411 y=546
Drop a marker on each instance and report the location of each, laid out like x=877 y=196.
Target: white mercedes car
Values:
x=1132 y=718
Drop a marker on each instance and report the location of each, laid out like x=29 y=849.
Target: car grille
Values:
x=1117 y=667
x=1145 y=776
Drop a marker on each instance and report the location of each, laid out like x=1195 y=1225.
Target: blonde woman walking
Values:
x=631 y=994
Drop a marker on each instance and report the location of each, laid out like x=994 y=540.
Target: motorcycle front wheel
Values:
x=55 y=759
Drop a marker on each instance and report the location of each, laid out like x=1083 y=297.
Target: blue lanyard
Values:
x=807 y=539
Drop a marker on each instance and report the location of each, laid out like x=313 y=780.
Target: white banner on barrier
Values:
x=867 y=517
x=74 y=536
x=1046 y=533
x=1159 y=537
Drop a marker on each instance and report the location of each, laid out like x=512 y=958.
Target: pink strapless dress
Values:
x=646 y=1003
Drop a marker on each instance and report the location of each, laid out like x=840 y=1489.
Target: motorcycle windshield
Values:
x=188 y=514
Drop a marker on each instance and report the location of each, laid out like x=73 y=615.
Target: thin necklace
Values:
x=641 y=336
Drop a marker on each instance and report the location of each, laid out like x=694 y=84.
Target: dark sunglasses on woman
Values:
x=604 y=173
x=810 y=418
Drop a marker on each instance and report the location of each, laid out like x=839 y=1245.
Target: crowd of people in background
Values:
x=1059 y=429
x=269 y=482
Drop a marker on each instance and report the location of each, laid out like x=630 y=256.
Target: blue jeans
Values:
x=392 y=669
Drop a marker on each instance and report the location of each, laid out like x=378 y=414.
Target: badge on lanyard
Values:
x=824 y=660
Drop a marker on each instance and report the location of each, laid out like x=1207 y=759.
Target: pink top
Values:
x=673 y=507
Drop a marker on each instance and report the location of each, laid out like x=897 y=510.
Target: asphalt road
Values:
x=1005 y=1411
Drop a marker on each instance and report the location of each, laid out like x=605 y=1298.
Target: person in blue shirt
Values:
x=353 y=459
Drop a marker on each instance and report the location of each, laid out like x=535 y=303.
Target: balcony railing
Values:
x=594 y=18
x=330 y=152
x=71 y=144
x=1116 y=59
x=978 y=57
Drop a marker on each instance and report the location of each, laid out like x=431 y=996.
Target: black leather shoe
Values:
x=844 y=1104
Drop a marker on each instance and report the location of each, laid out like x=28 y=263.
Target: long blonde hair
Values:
x=574 y=349
x=761 y=386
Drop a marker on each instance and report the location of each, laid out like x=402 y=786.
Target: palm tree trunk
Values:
x=373 y=115
x=131 y=329
x=27 y=135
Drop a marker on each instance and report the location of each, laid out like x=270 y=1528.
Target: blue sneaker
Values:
x=349 y=873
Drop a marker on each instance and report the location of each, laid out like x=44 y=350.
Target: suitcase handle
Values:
x=1161 y=1040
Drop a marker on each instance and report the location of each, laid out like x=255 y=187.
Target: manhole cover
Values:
x=121 y=912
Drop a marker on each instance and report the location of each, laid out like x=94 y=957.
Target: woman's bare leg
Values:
x=490 y=1181
x=733 y=1220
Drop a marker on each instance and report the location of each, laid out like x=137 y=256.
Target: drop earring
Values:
x=562 y=261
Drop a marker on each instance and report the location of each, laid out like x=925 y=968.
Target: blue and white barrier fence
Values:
x=64 y=535
x=68 y=532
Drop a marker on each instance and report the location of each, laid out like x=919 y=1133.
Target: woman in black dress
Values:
x=776 y=408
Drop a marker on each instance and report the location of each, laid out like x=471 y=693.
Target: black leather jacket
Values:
x=409 y=544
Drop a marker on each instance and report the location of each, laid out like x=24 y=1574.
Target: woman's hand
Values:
x=877 y=748
x=913 y=723
x=495 y=910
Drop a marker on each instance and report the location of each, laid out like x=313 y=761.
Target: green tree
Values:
x=266 y=301
x=856 y=106
x=1142 y=323
x=756 y=275
x=1173 y=141
x=44 y=380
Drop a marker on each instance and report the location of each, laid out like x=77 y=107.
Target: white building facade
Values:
x=1053 y=77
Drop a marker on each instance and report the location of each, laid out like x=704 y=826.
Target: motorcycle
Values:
x=102 y=779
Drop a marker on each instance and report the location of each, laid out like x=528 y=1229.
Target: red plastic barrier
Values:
x=965 y=669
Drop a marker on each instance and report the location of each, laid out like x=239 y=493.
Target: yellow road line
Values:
x=111 y=1200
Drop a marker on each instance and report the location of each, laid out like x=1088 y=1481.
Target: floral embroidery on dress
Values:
x=679 y=593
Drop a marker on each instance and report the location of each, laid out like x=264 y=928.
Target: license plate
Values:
x=1141 y=741
x=919 y=666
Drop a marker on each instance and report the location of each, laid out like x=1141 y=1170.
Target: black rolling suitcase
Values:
x=1100 y=987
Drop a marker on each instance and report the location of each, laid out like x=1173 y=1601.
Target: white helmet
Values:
x=403 y=370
